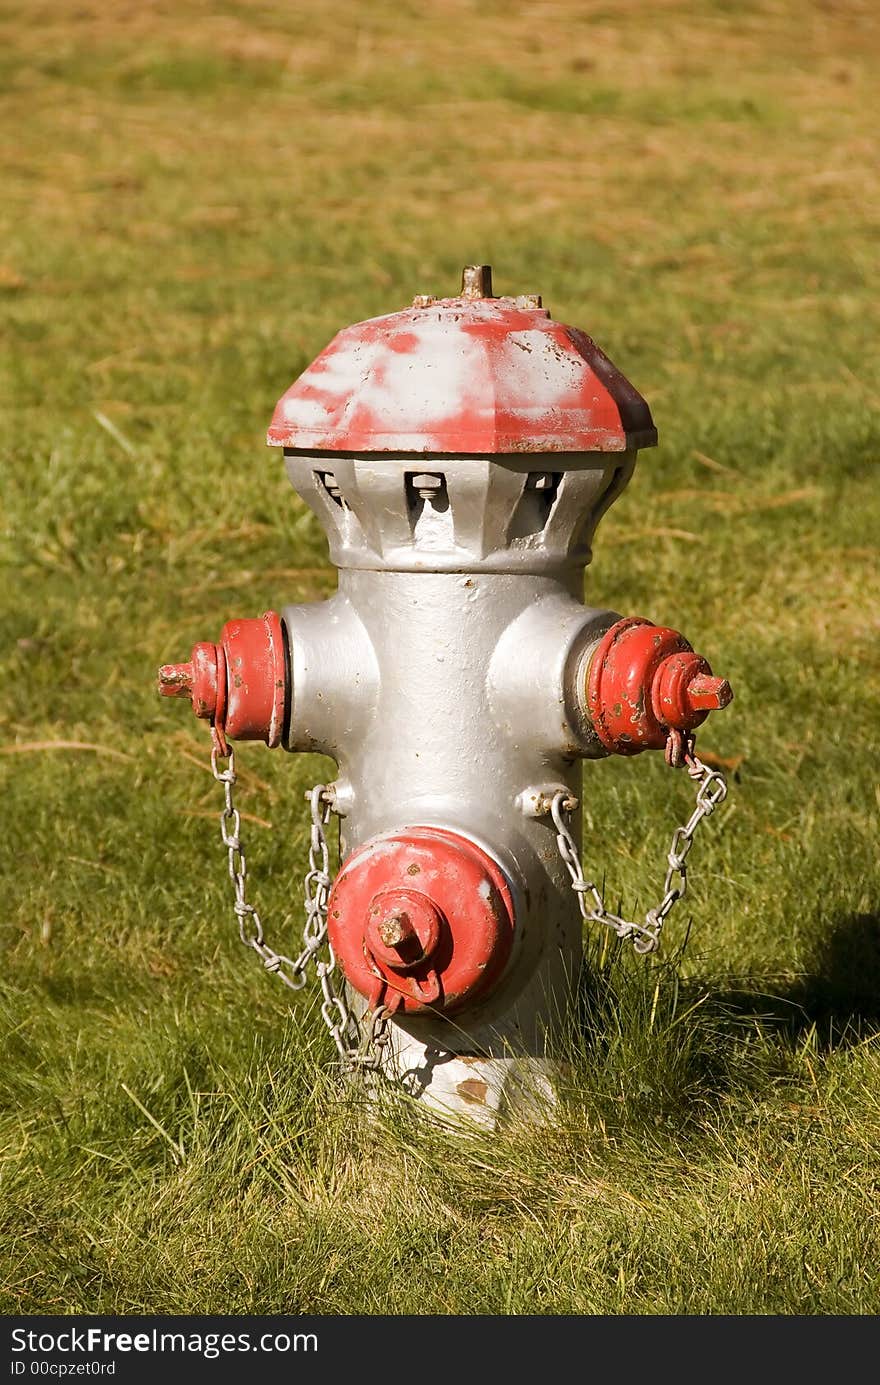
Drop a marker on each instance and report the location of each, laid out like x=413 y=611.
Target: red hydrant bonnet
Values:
x=472 y=374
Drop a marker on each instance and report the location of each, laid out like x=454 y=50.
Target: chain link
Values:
x=250 y=925
x=359 y=1050
x=645 y=937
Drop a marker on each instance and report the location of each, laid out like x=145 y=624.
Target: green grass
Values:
x=196 y=196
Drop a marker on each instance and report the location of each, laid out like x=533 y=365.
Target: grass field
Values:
x=195 y=197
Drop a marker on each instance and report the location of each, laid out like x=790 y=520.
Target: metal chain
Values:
x=316 y=888
x=645 y=937
x=356 y=1050
x=250 y=926
x=368 y=1055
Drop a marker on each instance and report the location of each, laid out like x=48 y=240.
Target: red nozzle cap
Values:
x=239 y=685
x=644 y=681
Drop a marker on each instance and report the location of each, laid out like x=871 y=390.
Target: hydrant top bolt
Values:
x=476 y=281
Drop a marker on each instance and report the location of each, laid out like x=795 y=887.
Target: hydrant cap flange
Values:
x=471 y=374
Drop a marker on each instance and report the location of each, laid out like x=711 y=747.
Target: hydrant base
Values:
x=488 y=1069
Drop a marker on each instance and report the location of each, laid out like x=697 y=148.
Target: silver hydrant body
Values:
x=459 y=456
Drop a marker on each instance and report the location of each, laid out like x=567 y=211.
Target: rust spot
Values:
x=472 y=1090
x=414 y=869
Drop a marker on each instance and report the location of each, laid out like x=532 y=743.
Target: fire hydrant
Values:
x=459 y=455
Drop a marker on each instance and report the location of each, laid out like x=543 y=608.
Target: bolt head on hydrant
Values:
x=402 y=928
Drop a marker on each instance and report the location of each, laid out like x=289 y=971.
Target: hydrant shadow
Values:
x=838 y=999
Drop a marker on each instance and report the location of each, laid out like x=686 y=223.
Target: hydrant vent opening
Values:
x=426 y=494
x=328 y=481
x=535 y=504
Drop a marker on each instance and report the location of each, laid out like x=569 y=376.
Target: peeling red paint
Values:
x=462 y=375
x=645 y=680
